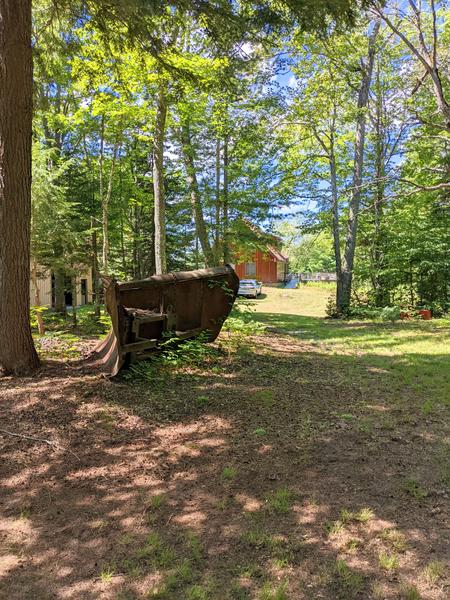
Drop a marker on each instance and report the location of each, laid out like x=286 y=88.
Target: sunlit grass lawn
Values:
x=415 y=353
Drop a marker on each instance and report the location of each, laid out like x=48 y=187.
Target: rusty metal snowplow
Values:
x=144 y=313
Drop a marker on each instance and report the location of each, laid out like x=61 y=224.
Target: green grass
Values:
x=414 y=489
x=362 y=516
x=273 y=592
x=308 y=300
x=157 y=501
x=409 y=592
x=434 y=571
x=395 y=539
x=388 y=561
x=155 y=552
x=408 y=359
x=107 y=575
x=347 y=582
x=229 y=473
x=202 y=401
x=260 y=431
x=280 y=501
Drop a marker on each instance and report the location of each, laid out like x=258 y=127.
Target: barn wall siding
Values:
x=45 y=288
x=266 y=268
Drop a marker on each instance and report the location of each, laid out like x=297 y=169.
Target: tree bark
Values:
x=105 y=214
x=17 y=352
x=381 y=298
x=158 y=182
x=191 y=179
x=105 y=197
x=335 y=213
x=355 y=200
x=94 y=267
x=217 y=250
x=60 y=288
x=73 y=285
x=225 y=207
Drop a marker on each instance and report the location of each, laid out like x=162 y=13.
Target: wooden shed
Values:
x=269 y=266
x=75 y=295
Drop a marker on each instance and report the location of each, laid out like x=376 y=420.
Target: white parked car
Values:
x=250 y=288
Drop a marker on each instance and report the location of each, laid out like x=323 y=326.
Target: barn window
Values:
x=250 y=268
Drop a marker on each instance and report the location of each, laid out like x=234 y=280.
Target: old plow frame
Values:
x=144 y=313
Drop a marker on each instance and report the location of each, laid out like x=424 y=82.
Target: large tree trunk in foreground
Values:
x=17 y=352
x=345 y=282
x=158 y=183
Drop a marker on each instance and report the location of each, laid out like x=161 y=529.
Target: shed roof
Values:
x=277 y=254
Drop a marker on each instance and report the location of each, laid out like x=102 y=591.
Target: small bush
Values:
x=331 y=309
x=191 y=352
x=365 y=312
x=390 y=313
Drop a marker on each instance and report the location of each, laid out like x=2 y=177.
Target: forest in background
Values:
x=345 y=132
x=161 y=130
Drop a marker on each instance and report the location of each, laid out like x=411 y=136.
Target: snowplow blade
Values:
x=144 y=313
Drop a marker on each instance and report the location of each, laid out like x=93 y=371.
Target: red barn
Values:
x=268 y=266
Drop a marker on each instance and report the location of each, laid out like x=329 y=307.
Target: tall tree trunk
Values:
x=60 y=288
x=217 y=206
x=37 y=298
x=191 y=179
x=335 y=213
x=225 y=207
x=158 y=182
x=381 y=298
x=105 y=214
x=94 y=267
x=73 y=285
x=17 y=352
x=353 y=211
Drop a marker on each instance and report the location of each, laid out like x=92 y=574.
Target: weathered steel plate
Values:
x=184 y=303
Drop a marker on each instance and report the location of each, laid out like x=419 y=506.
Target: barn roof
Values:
x=277 y=254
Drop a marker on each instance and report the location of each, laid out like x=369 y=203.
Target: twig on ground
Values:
x=29 y=437
x=50 y=443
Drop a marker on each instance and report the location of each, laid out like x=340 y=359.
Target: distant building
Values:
x=268 y=266
x=305 y=277
x=75 y=295
x=265 y=262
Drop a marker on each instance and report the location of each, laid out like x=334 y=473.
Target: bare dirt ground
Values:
x=286 y=471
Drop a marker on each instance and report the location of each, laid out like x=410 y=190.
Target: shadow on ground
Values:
x=287 y=468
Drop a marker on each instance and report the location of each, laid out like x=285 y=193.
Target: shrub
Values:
x=331 y=309
x=365 y=312
x=390 y=313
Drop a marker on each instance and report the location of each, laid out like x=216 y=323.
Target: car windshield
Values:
x=247 y=282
